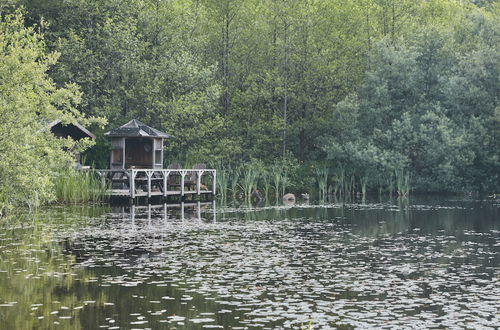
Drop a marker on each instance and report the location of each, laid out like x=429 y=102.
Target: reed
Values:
x=4 y=202
x=390 y=184
x=363 y=180
x=402 y=183
x=278 y=180
x=266 y=183
x=235 y=174
x=78 y=186
x=249 y=180
x=342 y=181
x=322 y=180
x=222 y=181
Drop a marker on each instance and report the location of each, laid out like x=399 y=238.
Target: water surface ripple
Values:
x=352 y=266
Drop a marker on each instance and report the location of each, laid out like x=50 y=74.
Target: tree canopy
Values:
x=372 y=86
x=29 y=101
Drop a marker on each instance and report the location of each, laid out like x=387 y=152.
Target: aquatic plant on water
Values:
x=309 y=326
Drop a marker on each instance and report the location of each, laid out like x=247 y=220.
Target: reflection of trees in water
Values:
x=38 y=274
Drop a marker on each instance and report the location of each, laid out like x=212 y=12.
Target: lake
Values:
x=429 y=262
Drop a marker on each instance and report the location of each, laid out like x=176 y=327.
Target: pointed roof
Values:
x=135 y=128
x=73 y=130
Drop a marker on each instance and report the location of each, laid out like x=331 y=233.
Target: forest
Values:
x=377 y=92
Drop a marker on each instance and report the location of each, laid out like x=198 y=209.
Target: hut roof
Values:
x=73 y=130
x=135 y=128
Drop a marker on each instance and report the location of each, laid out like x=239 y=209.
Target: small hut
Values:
x=136 y=145
x=71 y=130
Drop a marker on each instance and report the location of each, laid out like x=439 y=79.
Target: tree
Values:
x=29 y=100
x=432 y=99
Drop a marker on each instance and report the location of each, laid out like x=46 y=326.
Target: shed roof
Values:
x=135 y=128
x=73 y=130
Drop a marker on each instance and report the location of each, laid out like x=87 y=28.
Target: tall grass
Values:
x=266 y=180
x=390 y=184
x=337 y=183
x=278 y=180
x=222 y=181
x=4 y=202
x=249 y=180
x=342 y=182
x=322 y=180
x=234 y=182
x=402 y=183
x=78 y=186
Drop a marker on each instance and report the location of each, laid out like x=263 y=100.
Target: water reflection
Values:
x=194 y=265
x=183 y=211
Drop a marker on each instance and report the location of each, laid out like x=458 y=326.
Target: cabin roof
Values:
x=73 y=130
x=135 y=128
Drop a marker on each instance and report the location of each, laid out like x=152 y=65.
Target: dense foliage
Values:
x=375 y=90
x=29 y=101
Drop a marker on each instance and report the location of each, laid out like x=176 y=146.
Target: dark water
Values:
x=430 y=263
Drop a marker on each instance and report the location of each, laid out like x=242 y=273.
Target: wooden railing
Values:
x=155 y=182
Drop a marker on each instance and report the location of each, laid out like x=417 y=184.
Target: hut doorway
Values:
x=138 y=153
x=136 y=145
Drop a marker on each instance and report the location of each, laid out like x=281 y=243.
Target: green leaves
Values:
x=29 y=101
x=424 y=105
x=376 y=84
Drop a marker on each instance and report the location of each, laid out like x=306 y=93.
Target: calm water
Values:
x=432 y=263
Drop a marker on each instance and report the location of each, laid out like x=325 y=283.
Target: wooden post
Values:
x=165 y=182
x=131 y=185
x=214 y=184
x=123 y=152
x=166 y=174
x=149 y=215
x=183 y=174
x=132 y=215
x=214 y=211
x=198 y=182
x=165 y=215
x=199 y=210
x=182 y=211
x=153 y=150
x=149 y=174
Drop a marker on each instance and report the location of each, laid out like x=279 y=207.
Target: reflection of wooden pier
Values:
x=149 y=183
x=181 y=211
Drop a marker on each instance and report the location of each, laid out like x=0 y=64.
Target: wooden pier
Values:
x=132 y=183
x=136 y=167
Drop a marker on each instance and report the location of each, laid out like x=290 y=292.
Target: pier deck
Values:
x=148 y=183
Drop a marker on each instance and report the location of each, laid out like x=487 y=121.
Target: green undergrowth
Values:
x=79 y=186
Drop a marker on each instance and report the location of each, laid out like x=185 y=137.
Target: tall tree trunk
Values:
x=368 y=35
x=285 y=90
x=225 y=59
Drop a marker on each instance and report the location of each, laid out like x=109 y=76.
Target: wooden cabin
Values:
x=136 y=145
x=72 y=130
